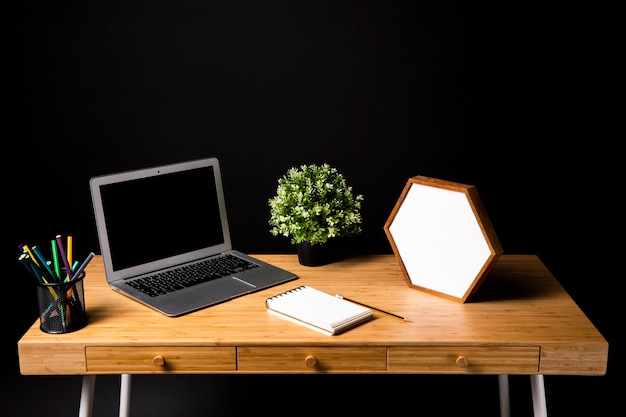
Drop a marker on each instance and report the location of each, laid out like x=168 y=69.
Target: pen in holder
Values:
x=62 y=305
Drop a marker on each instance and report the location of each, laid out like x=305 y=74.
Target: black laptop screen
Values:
x=161 y=216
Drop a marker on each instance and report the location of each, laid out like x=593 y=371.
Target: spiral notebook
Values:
x=317 y=310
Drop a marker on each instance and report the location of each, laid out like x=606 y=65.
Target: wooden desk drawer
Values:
x=312 y=359
x=461 y=360
x=159 y=359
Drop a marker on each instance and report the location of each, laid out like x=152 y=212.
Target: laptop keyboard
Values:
x=190 y=275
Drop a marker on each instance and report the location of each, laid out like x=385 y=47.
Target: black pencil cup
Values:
x=62 y=306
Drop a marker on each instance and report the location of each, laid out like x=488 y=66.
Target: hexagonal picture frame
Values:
x=442 y=237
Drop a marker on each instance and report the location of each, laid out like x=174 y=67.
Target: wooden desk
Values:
x=521 y=321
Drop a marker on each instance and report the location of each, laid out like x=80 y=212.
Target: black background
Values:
x=507 y=97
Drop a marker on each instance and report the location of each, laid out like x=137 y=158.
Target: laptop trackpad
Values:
x=225 y=288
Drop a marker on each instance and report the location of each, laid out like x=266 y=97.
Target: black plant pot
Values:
x=313 y=255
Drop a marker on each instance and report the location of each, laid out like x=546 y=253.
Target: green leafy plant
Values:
x=314 y=204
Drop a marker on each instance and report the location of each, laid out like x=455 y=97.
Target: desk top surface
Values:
x=520 y=303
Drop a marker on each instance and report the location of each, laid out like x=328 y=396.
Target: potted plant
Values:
x=313 y=205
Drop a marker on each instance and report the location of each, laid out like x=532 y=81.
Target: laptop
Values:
x=165 y=241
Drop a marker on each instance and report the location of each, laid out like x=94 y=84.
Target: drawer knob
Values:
x=462 y=361
x=158 y=360
x=310 y=361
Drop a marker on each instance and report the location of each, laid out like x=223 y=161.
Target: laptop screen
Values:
x=161 y=216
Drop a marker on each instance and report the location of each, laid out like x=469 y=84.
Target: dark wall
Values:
x=484 y=94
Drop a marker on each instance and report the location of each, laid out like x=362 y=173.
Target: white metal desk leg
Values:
x=503 y=385
x=539 y=396
x=86 y=395
x=125 y=395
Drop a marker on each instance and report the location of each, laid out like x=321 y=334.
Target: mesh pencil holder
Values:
x=62 y=306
